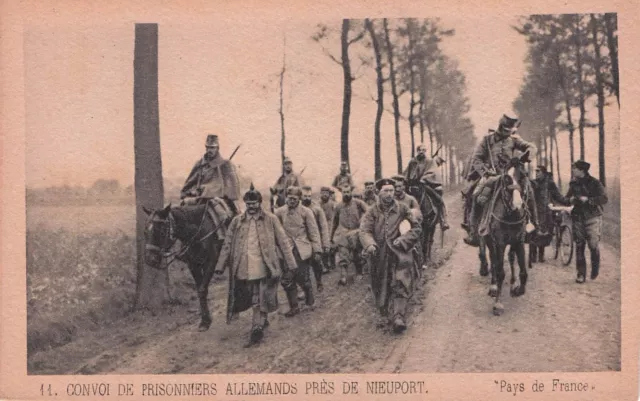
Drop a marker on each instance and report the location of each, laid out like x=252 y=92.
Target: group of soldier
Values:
x=376 y=232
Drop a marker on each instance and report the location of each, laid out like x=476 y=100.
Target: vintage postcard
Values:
x=319 y=200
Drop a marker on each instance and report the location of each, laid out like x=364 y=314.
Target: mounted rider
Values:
x=213 y=179
x=488 y=161
x=344 y=178
x=422 y=171
x=286 y=180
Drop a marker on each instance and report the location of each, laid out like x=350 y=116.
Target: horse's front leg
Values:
x=207 y=269
x=489 y=246
x=482 y=255
x=515 y=282
x=520 y=252
x=499 y=274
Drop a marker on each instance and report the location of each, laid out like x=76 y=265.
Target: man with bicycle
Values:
x=588 y=196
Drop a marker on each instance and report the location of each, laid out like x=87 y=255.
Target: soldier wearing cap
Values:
x=346 y=219
x=588 y=196
x=328 y=206
x=400 y=194
x=323 y=226
x=422 y=170
x=390 y=253
x=212 y=177
x=489 y=159
x=286 y=180
x=370 y=197
x=344 y=178
x=300 y=226
x=251 y=250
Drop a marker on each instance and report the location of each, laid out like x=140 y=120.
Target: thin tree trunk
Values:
x=539 y=155
x=394 y=93
x=555 y=140
x=600 y=93
x=421 y=119
x=282 y=132
x=379 y=101
x=152 y=284
x=567 y=105
x=346 y=101
x=452 y=170
x=412 y=122
x=581 y=96
x=611 y=23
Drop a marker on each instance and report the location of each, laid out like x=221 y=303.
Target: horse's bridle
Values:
x=168 y=241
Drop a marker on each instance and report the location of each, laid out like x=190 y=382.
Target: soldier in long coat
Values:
x=251 y=250
x=323 y=226
x=300 y=226
x=390 y=253
x=211 y=177
x=346 y=219
x=491 y=156
x=328 y=206
x=403 y=197
x=369 y=197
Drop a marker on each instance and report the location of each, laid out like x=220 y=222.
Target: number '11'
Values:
x=42 y=389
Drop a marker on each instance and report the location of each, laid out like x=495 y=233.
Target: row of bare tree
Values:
x=571 y=59
x=411 y=66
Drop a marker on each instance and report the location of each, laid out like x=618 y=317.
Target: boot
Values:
x=443 y=218
x=541 y=254
x=343 y=275
x=595 y=263
x=472 y=238
x=310 y=300
x=399 y=324
x=257 y=334
x=292 y=297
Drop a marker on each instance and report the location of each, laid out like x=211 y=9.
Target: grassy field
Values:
x=80 y=271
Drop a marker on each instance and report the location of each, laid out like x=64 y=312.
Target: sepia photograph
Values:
x=425 y=192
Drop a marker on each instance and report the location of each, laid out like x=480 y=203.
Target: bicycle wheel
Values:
x=556 y=242
x=566 y=245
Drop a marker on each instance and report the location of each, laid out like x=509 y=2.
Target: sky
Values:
x=221 y=78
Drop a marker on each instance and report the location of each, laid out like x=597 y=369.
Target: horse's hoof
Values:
x=493 y=291
x=484 y=271
x=521 y=291
x=204 y=326
x=498 y=309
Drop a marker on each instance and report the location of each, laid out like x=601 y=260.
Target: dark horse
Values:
x=506 y=225
x=196 y=229
x=430 y=214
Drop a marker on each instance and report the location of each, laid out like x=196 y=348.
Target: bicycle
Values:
x=562 y=241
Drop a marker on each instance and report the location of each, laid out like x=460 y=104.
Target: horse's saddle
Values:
x=221 y=214
x=484 y=189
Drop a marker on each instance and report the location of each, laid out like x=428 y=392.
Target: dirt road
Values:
x=556 y=326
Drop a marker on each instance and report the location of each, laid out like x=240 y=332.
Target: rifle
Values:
x=436 y=154
x=302 y=171
x=234 y=152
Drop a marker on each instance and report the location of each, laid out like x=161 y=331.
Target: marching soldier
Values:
x=403 y=197
x=390 y=253
x=300 y=226
x=251 y=248
x=344 y=178
x=490 y=157
x=323 y=226
x=347 y=219
x=370 y=197
x=328 y=206
x=212 y=177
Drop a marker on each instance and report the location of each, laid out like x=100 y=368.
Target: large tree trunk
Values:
x=282 y=132
x=580 y=82
x=346 y=101
x=611 y=23
x=152 y=285
x=600 y=93
x=379 y=101
x=394 y=93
